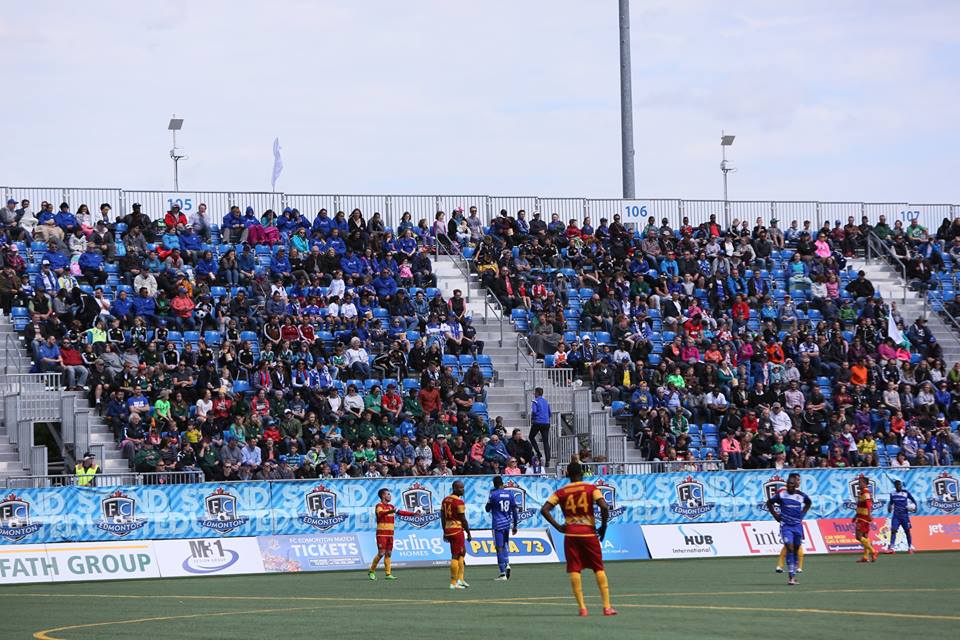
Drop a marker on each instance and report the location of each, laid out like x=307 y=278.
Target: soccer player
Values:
x=453 y=519
x=581 y=542
x=862 y=520
x=502 y=504
x=900 y=501
x=788 y=508
x=385 y=512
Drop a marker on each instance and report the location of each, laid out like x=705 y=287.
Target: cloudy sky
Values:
x=829 y=100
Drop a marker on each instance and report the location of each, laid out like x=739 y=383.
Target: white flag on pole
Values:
x=893 y=331
x=277 y=163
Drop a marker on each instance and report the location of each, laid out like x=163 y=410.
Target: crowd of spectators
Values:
x=752 y=344
x=268 y=346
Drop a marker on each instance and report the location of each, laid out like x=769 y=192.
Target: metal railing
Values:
x=105 y=479
x=652 y=466
x=392 y=207
x=878 y=249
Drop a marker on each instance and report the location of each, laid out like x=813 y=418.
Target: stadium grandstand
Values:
x=266 y=336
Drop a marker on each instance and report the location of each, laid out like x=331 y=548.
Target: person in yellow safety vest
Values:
x=86 y=471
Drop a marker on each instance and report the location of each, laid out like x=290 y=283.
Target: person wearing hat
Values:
x=86 y=470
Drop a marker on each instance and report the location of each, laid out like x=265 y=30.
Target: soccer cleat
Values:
x=779 y=569
x=583 y=613
x=890 y=552
x=792 y=581
x=799 y=570
x=508 y=570
x=501 y=578
x=910 y=551
x=456 y=586
x=390 y=576
x=862 y=560
x=462 y=584
x=609 y=611
x=372 y=575
x=876 y=554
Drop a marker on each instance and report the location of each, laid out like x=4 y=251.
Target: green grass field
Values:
x=713 y=598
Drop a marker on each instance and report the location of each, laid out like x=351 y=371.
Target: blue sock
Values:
x=502 y=559
x=791 y=562
x=909 y=538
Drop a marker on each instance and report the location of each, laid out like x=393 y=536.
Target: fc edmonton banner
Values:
x=336 y=507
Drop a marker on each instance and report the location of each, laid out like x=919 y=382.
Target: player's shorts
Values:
x=792 y=534
x=898 y=522
x=501 y=538
x=582 y=553
x=458 y=544
x=384 y=542
x=862 y=529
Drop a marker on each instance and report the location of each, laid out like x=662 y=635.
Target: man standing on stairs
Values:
x=540 y=424
x=86 y=471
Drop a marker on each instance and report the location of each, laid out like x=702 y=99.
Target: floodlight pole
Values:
x=626 y=103
x=725 y=141
x=175 y=154
x=176 y=160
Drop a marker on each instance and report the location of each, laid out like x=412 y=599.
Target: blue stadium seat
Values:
x=212 y=338
x=549 y=360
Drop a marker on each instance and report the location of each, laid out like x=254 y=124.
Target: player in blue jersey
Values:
x=900 y=501
x=502 y=506
x=788 y=508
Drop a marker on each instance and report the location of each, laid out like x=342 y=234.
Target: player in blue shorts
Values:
x=900 y=501
x=502 y=506
x=791 y=505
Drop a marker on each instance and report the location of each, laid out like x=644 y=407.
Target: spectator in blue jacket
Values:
x=385 y=286
x=206 y=267
x=146 y=307
x=322 y=225
x=91 y=265
x=233 y=228
x=495 y=453
x=280 y=266
x=65 y=219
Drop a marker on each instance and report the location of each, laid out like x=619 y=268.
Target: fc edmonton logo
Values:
x=220 y=512
x=321 y=512
x=770 y=490
x=15 y=519
x=609 y=493
x=119 y=514
x=946 y=493
x=419 y=499
x=691 y=499
x=854 y=488
x=520 y=497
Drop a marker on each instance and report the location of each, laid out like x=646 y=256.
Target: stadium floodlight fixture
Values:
x=176 y=154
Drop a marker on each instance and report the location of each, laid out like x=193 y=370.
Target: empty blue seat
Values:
x=191 y=336
x=709 y=429
x=449 y=361
x=466 y=361
x=212 y=338
x=411 y=383
x=241 y=386
x=549 y=360
x=218 y=292
x=248 y=336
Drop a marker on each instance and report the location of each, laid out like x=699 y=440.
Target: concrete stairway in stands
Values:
x=505 y=397
x=111 y=462
x=889 y=282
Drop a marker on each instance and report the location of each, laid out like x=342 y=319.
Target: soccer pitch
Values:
x=697 y=598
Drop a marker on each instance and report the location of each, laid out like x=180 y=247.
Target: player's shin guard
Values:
x=577 y=583
x=386 y=564
x=604 y=587
x=376 y=561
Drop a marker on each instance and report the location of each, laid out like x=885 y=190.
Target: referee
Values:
x=540 y=424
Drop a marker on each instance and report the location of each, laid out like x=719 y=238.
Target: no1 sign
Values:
x=635 y=211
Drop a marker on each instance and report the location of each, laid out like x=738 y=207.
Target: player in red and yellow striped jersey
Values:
x=385 y=513
x=453 y=518
x=581 y=542
x=863 y=518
